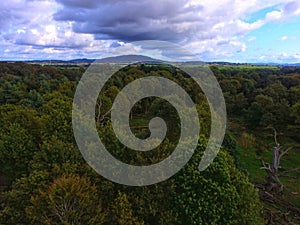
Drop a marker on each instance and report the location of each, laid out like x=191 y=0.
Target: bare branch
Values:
x=289 y=171
x=99 y=111
x=268 y=194
x=266 y=166
x=283 y=153
x=105 y=114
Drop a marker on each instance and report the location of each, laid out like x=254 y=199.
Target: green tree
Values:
x=295 y=127
x=34 y=99
x=58 y=157
x=252 y=115
x=219 y=195
x=231 y=85
x=16 y=151
x=57 y=117
x=122 y=213
x=294 y=94
x=27 y=118
x=11 y=93
x=14 y=201
x=295 y=113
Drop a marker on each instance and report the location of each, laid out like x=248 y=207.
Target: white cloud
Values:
x=281 y=57
x=274 y=15
x=263 y=57
x=252 y=38
x=89 y=28
x=284 y=38
x=297 y=56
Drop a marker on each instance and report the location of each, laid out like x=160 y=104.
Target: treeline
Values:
x=45 y=180
x=261 y=98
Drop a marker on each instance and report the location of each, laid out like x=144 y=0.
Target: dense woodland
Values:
x=45 y=180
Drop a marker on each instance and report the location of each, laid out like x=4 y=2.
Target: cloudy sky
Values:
x=214 y=30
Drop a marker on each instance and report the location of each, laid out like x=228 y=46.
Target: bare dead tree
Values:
x=273 y=183
x=101 y=117
x=278 y=209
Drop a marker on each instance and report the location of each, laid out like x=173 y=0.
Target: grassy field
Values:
x=247 y=67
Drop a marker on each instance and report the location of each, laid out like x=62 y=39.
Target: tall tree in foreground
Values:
x=68 y=200
x=219 y=195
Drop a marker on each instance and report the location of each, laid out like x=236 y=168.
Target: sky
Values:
x=213 y=30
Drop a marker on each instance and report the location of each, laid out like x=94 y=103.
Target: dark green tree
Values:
x=219 y=195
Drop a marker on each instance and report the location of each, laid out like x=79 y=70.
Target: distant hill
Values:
x=294 y=64
x=141 y=58
x=128 y=59
x=117 y=59
x=61 y=62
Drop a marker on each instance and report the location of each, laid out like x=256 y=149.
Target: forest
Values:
x=45 y=180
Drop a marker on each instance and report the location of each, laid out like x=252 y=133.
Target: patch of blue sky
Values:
x=277 y=37
x=260 y=15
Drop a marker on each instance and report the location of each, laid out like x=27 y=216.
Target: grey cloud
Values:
x=27 y=38
x=11 y=15
x=16 y=14
x=88 y=4
x=223 y=43
x=291 y=7
x=134 y=33
x=115 y=45
x=130 y=20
